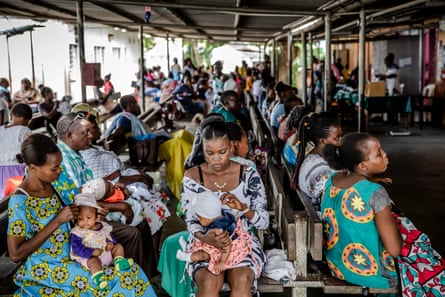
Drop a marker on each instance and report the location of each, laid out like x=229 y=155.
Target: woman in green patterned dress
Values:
x=361 y=238
x=38 y=235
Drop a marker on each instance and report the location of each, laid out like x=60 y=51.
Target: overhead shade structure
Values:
x=18 y=31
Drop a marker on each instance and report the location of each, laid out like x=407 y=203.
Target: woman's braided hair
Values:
x=313 y=128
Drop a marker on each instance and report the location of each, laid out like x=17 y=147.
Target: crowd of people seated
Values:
x=213 y=177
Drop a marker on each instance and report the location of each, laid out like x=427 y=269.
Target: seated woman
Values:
x=231 y=108
x=38 y=234
x=185 y=95
x=284 y=133
x=48 y=108
x=244 y=196
x=361 y=238
x=11 y=138
x=312 y=170
x=290 y=150
x=27 y=94
x=170 y=268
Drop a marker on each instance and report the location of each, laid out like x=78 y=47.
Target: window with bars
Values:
x=116 y=53
x=99 y=54
x=73 y=55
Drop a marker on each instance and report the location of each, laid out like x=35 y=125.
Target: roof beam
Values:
x=118 y=11
x=58 y=9
x=23 y=11
x=236 y=20
x=188 y=22
x=252 y=11
x=125 y=14
x=50 y=6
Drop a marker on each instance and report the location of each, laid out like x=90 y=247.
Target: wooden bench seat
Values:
x=319 y=276
x=299 y=226
x=151 y=116
x=267 y=285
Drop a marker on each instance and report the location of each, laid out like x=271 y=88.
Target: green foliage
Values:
x=149 y=43
x=200 y=50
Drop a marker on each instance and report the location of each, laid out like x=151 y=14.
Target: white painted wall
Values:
x=122 y=70
x=51 y=56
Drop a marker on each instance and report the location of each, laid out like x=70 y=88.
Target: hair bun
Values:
x=19 y=158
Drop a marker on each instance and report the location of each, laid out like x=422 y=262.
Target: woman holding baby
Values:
x=242 y=193
x=39 y=232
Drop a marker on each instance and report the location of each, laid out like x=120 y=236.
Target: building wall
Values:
x=118 y=53
x=50 y=54
x=56 y=56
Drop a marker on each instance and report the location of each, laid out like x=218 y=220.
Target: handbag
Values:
x=143 y=152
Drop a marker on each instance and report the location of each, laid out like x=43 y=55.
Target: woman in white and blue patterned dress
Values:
x=242 y=193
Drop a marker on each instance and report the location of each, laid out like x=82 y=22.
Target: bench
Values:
x=7 y=267
x=152 y=116
x=299 y=226
x=262 y=130
x=278 y=208
x=319 y=275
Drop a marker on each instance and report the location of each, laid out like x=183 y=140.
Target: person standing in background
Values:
x=108 y=86
x=48 y=108
x=4 y=92
x=391 y=76
x=176 y=70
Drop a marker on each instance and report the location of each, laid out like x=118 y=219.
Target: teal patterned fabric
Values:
x=352 y=245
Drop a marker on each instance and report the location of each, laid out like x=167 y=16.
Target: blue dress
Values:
x=49 y=271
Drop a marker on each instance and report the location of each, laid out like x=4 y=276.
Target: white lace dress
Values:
x=11 y=139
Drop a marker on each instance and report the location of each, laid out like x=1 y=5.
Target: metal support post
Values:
x=421 y=65
x=168 y=53
x=303 y=66
x=327 y=63
x=311 y=63
x=274 y=58
x=81 y=41
x=142 y=66
x=361 y=68
x=289 y=57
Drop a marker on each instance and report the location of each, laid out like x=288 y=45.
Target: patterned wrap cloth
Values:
x=421 y=268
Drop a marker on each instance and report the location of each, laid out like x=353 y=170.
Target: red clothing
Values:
x=108 y=88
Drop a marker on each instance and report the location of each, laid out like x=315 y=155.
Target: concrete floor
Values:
x=417 y=167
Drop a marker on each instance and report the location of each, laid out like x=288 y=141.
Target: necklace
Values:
x=220 y=187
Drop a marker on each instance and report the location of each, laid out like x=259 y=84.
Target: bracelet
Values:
x=245 y=211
